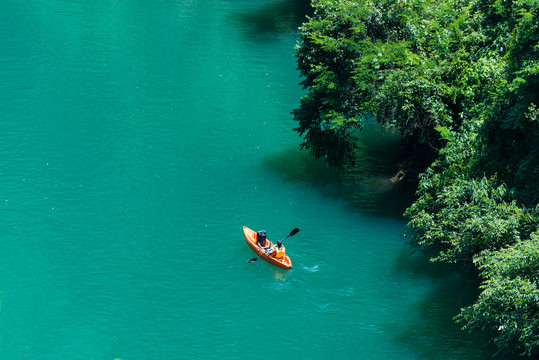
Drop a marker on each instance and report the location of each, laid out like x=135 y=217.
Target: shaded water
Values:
x=136 y=139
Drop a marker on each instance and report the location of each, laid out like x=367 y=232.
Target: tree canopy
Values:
x=460 y=80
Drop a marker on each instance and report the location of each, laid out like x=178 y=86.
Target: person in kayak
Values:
x=280 y=250
x=261 y=238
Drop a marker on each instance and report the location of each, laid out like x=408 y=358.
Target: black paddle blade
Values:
x=294 y=232
x=253 y=260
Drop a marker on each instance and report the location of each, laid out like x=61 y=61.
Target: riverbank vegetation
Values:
x=459 y=79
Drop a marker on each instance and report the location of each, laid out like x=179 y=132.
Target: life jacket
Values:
x=279 y=251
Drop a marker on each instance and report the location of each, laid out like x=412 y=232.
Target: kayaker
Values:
x=261 y=238
x=280 y=250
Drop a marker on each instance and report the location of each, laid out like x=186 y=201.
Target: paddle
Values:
x=292 y=233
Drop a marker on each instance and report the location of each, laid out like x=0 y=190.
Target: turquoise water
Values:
x=136 y=139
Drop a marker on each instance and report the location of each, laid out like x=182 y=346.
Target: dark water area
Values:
x=274 y=19
x=370 y=186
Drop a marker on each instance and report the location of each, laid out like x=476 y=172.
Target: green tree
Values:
x=346 y=52
x=508 y=305
x=465 y=217
x=510 y=146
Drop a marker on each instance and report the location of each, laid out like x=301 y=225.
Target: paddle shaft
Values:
x=258 y=257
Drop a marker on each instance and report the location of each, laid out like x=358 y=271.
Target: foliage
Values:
x=466 y=217
x=509 y=302
x=467 y=200
x=501 y=140
x=346 y=53
x=413 y=65
x=511 y=147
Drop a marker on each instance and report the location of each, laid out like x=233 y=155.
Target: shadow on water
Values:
x=271 y=19
x=434 y=334
x=369 y=186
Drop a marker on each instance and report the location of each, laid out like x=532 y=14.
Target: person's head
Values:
x=280 y=244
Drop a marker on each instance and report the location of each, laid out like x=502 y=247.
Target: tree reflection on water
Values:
x=370 y=186
x=274 y=18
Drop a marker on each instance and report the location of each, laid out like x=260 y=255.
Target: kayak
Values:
x=250 y=238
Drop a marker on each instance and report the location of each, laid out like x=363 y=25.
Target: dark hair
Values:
x=279 y=243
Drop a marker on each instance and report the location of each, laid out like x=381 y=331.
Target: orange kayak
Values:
x=250 y=238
